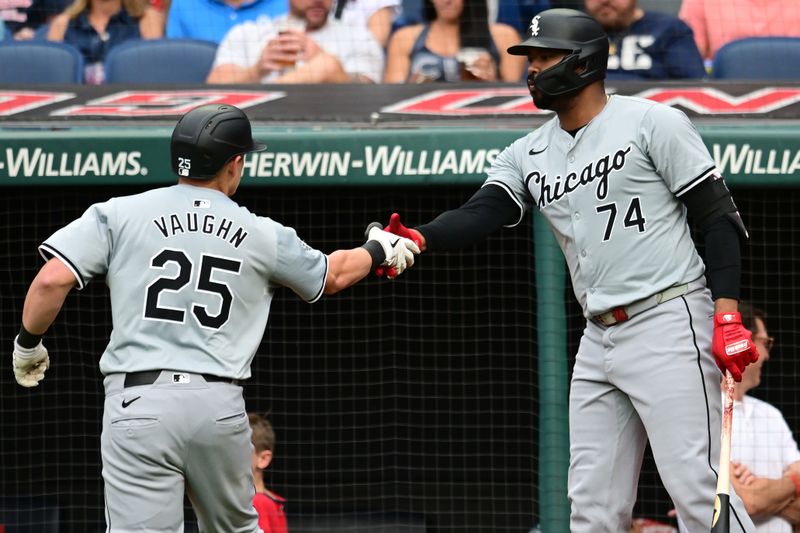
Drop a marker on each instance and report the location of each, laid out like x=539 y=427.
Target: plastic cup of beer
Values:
x=466 y=58
x=286 y=25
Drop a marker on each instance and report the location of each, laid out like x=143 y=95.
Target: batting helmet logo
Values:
x=577 y=34
x=535 y=26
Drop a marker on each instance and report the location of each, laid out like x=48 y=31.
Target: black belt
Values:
x=148 y=377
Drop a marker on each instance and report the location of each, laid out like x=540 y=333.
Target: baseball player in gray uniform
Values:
x=615 y=177
x=191 y=277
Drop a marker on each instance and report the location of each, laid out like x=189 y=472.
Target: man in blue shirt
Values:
x=210 y=20
x=646 y=45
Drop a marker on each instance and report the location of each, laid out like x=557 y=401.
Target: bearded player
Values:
x=615 y=177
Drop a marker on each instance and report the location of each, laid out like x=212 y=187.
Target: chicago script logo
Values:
x=553 y=190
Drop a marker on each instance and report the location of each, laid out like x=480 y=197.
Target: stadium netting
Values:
x=403 y=404
x=398 y=406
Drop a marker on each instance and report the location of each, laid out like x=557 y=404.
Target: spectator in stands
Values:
x=431 y=51
x=765 y=460
x=325 y=51
x=24 y=17
x=646 y=44
x=269 y=506
x=376 y=15
x=716 y=23
x=210 y=20
x=515 y=13
x=96 y=26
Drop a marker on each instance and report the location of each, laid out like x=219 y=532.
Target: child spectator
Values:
x=269 y=505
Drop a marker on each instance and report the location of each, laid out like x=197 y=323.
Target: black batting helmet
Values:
x=207 y=137
x=572 y=31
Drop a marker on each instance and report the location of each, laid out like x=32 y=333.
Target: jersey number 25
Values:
x=208 y=264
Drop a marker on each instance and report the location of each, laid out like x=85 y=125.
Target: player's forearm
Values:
x=726 y=305
x=46 y=296
x=486 y=212
x=346 y=268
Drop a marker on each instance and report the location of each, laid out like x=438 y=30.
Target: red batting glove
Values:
x=732 y=344
x=397 y=227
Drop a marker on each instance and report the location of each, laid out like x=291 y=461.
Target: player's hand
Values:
x=397 y=227
x=399 y=250
x=30 y=364
x=732 y=345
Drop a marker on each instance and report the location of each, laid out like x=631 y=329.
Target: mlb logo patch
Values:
x=181 y=378
x=184 y=166
x=202 y=204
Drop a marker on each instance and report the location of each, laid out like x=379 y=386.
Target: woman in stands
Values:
x=455 y=43
x=96 y=26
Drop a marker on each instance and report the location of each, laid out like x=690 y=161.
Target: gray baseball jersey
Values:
x=611 y=196
x=191 y=274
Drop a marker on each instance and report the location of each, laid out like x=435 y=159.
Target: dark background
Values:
x=411 y=402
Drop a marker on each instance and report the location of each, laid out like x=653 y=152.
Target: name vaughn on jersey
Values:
x=192 y=222
x=594 y=171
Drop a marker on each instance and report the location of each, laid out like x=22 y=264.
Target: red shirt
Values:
x=269 y=507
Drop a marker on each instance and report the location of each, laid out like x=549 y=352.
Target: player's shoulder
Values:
x=634 y=107
x=537 y=136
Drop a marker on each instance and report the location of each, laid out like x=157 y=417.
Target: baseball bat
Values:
x=721 y=522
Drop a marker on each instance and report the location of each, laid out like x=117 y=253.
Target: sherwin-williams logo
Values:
x=28 y=163
x=732 y=158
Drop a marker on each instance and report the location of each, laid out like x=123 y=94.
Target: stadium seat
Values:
x=758 y=58
x=160 y=61
x=35 y=62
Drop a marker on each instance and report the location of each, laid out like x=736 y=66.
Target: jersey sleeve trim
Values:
x=696 y=181
x=48 y=252
x=321 y=290
x=513 y=198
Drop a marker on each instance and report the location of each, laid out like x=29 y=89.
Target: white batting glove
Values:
x=399 y=250
x=30 y=364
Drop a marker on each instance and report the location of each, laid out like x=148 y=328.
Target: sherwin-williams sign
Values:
x=745 y=155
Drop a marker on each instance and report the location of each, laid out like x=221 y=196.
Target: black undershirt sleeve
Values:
x=723 y=232
x=489 y=209
x=723 y=258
